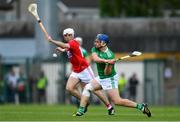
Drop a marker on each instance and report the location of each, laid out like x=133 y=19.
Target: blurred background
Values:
x=149 y=26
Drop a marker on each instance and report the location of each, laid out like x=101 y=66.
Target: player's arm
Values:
x=59 y=49
x=109 y=66
x=108 y=69
x=98 y=59
x=59 y=43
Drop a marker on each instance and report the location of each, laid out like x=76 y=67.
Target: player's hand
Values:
x=112 y=61
x=49 y=39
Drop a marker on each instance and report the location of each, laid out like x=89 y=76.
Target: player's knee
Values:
x=88 y=88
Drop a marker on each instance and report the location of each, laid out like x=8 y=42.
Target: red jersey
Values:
x=77 y=60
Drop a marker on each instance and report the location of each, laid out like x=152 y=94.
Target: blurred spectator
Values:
x=11 y=81
x=41 y=87
x=21 y=87
x=122 y=85
x=133 y=82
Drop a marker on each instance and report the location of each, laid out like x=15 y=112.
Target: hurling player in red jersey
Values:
x=81 y=71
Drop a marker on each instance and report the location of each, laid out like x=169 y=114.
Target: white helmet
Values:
x=79 y=39
x=68 y=31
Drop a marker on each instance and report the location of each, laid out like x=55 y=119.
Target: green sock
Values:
x=139 y=106
x=81 y=109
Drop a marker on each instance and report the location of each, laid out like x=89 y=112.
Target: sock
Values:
x=108 y=106
x=81 y=109
x=139 y=106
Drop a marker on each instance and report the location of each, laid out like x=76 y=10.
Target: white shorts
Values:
x=108 y=83
x=85 y=76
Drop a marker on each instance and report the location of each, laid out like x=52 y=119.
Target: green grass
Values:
x=95 y=113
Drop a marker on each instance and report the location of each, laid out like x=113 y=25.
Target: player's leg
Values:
x=94 y=87
x=71 y=86
x=85 y=97
x=100 y=94
x=86 y=76
x=117 y=100
x=82 y=84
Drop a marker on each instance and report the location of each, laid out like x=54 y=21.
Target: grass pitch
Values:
x=95 y=113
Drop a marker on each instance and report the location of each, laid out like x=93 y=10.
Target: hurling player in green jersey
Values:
x=107 y=78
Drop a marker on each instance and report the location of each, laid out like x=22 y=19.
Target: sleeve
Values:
x=85 y=53
x=93 y=50
x=73 y=44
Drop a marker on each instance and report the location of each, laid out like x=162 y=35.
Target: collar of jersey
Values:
x=106 y=50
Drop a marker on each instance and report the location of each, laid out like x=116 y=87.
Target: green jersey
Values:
x=101 y=66
x=84 y=52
